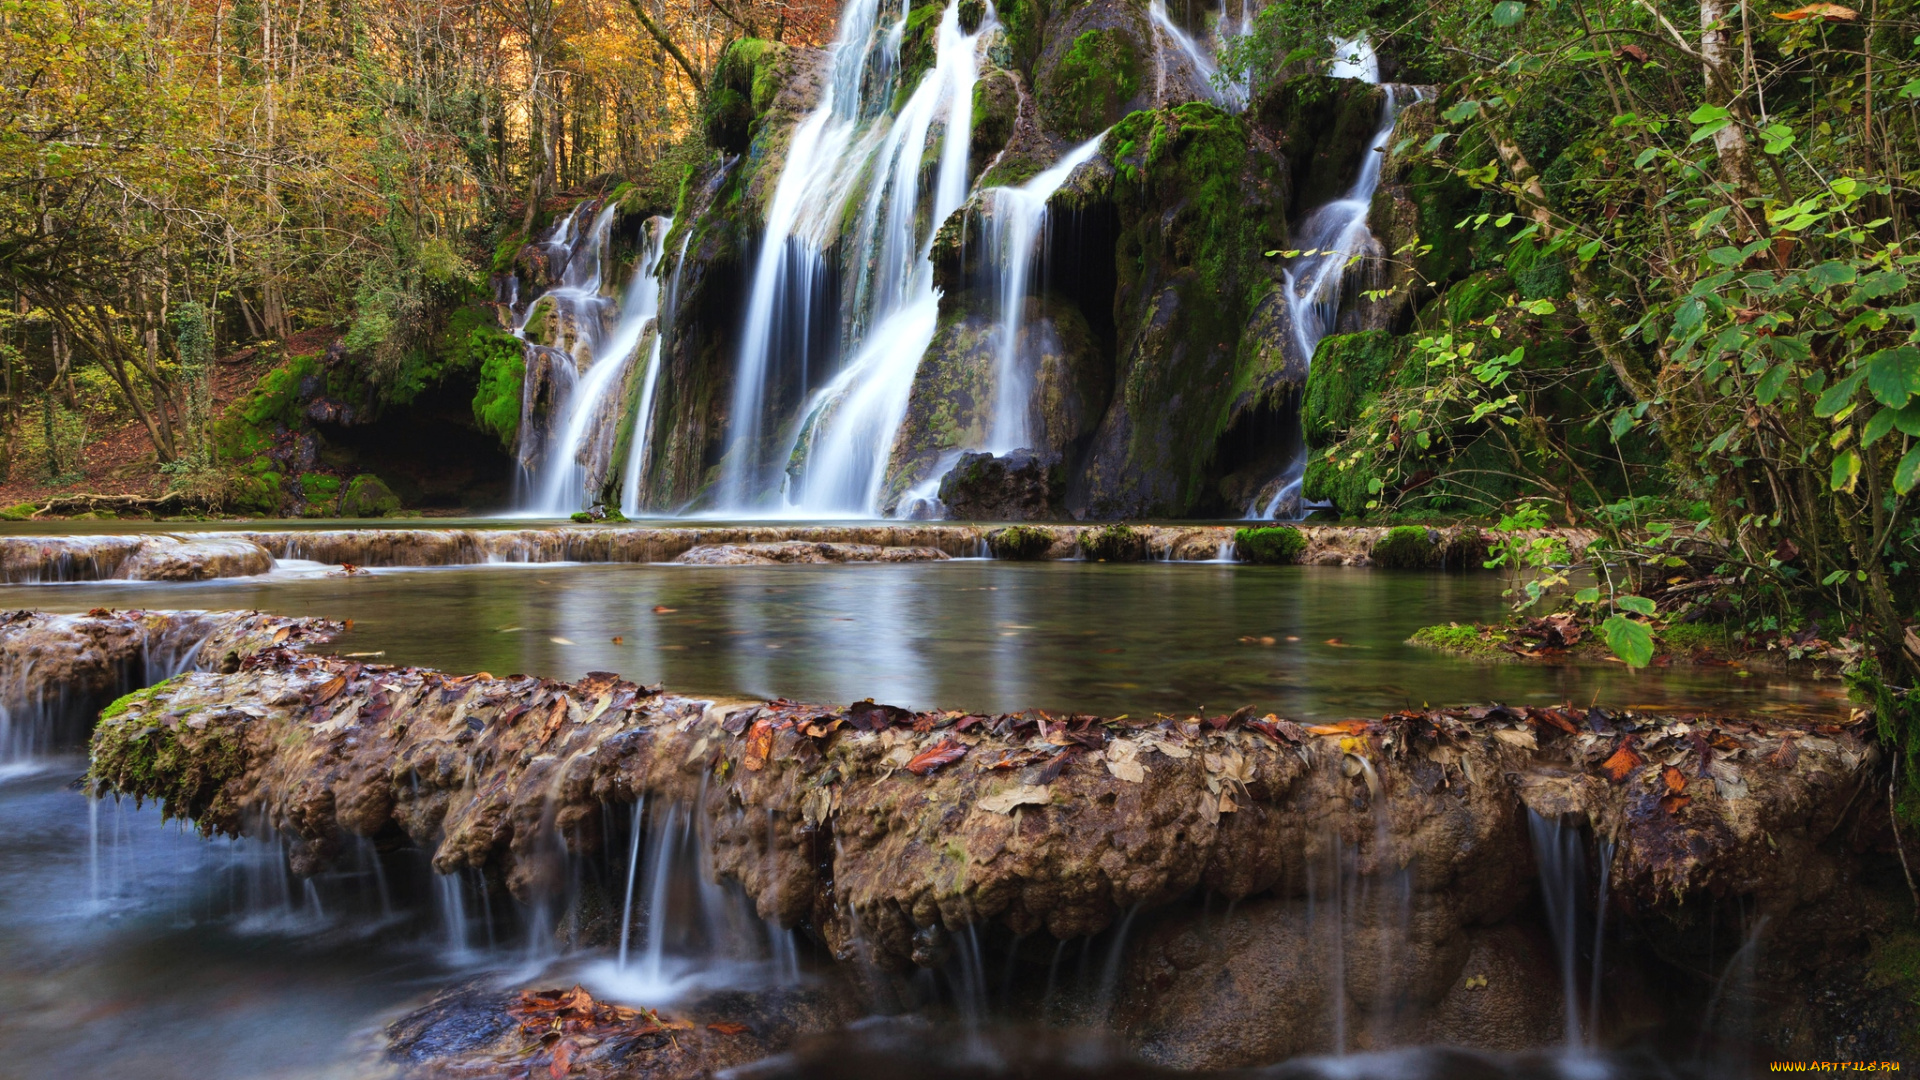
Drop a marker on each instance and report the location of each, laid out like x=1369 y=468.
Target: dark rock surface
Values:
x=1019 y=486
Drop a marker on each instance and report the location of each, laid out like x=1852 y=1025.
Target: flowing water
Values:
x=850 y=149
x=568 y=457
x=1332 y=238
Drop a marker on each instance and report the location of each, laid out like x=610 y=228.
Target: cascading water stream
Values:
x=1230 y=94
x=639 y=451
x=835 y=459
x=1331 y=237
x=1016 y=219
x=567 y=471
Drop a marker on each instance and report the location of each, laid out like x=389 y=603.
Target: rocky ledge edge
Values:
x=206 y=556
x=885 y=832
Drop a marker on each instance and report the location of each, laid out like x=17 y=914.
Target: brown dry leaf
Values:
x=1632 y=52
x=1786 y=756
x=1673 y=804
x=946 y=752
x=618 y=640
x=280 y=635
x=1676 y=781
x=1345 y=727
x=1623 y=762
x=662 y=609
x=1819 y=10
x=727 y=1027
x=759 y=745
x=1003 y=802
x=562 y=1062
x=330 y=689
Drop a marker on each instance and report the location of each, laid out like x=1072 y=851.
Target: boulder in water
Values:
x=1020 y=486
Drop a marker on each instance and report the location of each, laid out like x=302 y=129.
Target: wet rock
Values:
x=1019 y=486
x=195 y=558
x=799 y=551
x=367 y=496
x=480 y=1029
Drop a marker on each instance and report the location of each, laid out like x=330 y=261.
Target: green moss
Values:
x=1460 y=640
x=1695 y=636
x=1271 y=544
x=742 y=87
x=505 y=251
x=367 y=496
x=321 y=492
x=18 y=512
x=1091 y=85
x=1407 y=547
x=1344 y=483
x=503 y=375
x=168 y=758
x=1114 y=543
x=1019 y=542
x=1537 y=276
x=1477 y=297
x=1347 y=370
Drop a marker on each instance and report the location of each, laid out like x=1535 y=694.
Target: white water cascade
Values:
x=1016 y=218
x=639 y=451
x=568 y=464
x=1230 y=94
x=835 y=459
x=1330 y=239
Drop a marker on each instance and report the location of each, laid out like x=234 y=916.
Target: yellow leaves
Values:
x=1817 y=11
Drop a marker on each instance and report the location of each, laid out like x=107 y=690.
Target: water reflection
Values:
x=1307 y=642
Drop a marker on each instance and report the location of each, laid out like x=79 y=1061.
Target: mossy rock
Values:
x=1477 y=297
x=1407 y=547
x=1091 y=85
x=367 y=496
x=1348 y=370
x=501 y=384
x=1468 y=640
x=996 y=108
x=1325 y=125
x=18 y=512
x=186 y=767
x=1346 y=488
x=1019 y=542
x=321 y=492
x=1538 y=276
x=741 y=89
x=1114 y=543
x=1274 y=545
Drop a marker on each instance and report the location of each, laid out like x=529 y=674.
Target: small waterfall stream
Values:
x=1016 y=220
x=567 y=459
x=1229 y=94
x=1329 y=240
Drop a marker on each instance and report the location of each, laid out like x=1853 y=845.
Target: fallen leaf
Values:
x=759 y=745
x=1675 y=780
x=330 y=689
x=280 y=635
x=562 y=1062
x=1474 y=982
x=618 y=640
x=1131 y=771
x=662 y=609
x=727 y=1027
x=1785 y=757
x=1817 y=10
x=1345 y=727
x=559 y=641
x=946 y=752
x=1516 y=737
x=1003 y=802
x=1673 y=804
x=1623 y=762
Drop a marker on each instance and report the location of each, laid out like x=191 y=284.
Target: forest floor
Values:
x=120 y=460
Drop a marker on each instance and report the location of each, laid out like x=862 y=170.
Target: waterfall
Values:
x=1228 y=94
x=1015 y=220
x=1331 y=237
x=640 y=449
x=836 y=457
x=1561 y=854
x=568 y=459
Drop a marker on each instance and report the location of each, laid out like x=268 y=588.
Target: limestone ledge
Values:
x=884 y=830
x=209 y=555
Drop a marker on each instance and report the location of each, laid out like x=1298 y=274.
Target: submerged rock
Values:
x=1020 y=486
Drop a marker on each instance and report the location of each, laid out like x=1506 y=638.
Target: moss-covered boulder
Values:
x=1407 y=547
x=367 y=496
x=1323 y=126
x=1348 y=369
x=1114 y=543
x=1020 y=542
x=1094 y=69
x=743 y=86
x=1276 y=545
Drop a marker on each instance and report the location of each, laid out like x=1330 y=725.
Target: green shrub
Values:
x=1407 y=547
x=1114 y=543
x=1019 y=542
x=1273 y=544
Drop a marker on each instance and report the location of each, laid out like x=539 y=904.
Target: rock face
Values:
x=1021 y=486
x=886 y=833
